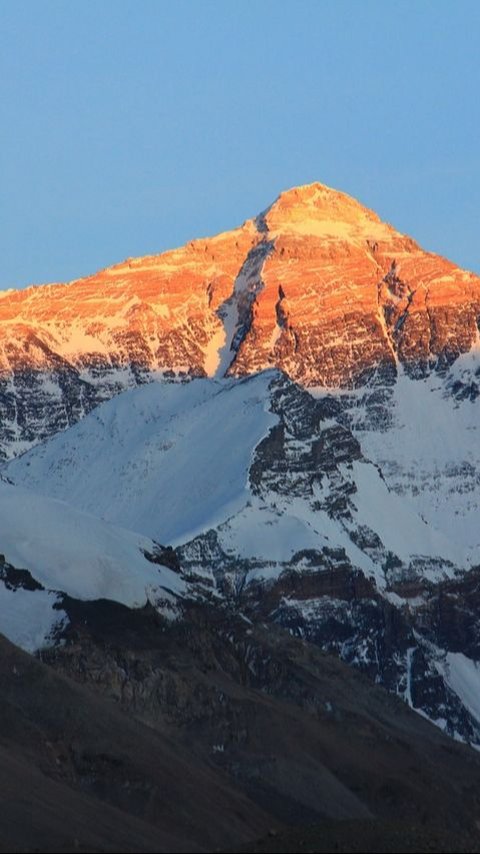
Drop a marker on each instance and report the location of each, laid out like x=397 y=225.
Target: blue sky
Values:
x=131 y=127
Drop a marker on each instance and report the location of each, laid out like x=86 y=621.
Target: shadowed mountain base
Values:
x=266 y=732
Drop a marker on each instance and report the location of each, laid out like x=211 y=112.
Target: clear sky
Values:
x=131 y=127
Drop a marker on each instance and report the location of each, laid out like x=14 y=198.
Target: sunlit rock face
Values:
x=317 y=285
x=345 y=293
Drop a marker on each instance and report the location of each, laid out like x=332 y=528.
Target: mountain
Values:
x=264 y=436
x=316 y=286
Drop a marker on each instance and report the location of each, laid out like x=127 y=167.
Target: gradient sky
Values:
x=131 y=127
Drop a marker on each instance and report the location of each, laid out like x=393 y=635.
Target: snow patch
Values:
x=28 y=618
x=462 y=674
x=401 y=530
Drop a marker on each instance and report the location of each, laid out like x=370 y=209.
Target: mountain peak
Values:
x=314 y=189
x=321 y=211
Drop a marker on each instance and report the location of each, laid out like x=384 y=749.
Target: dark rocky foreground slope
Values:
x=79 y=774
x=208 y=732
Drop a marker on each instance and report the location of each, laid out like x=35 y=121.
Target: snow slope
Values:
x=167 y=460
x=393 y=517
x=430 y=453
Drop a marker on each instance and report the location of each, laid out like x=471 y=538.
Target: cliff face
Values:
x=316 y=285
